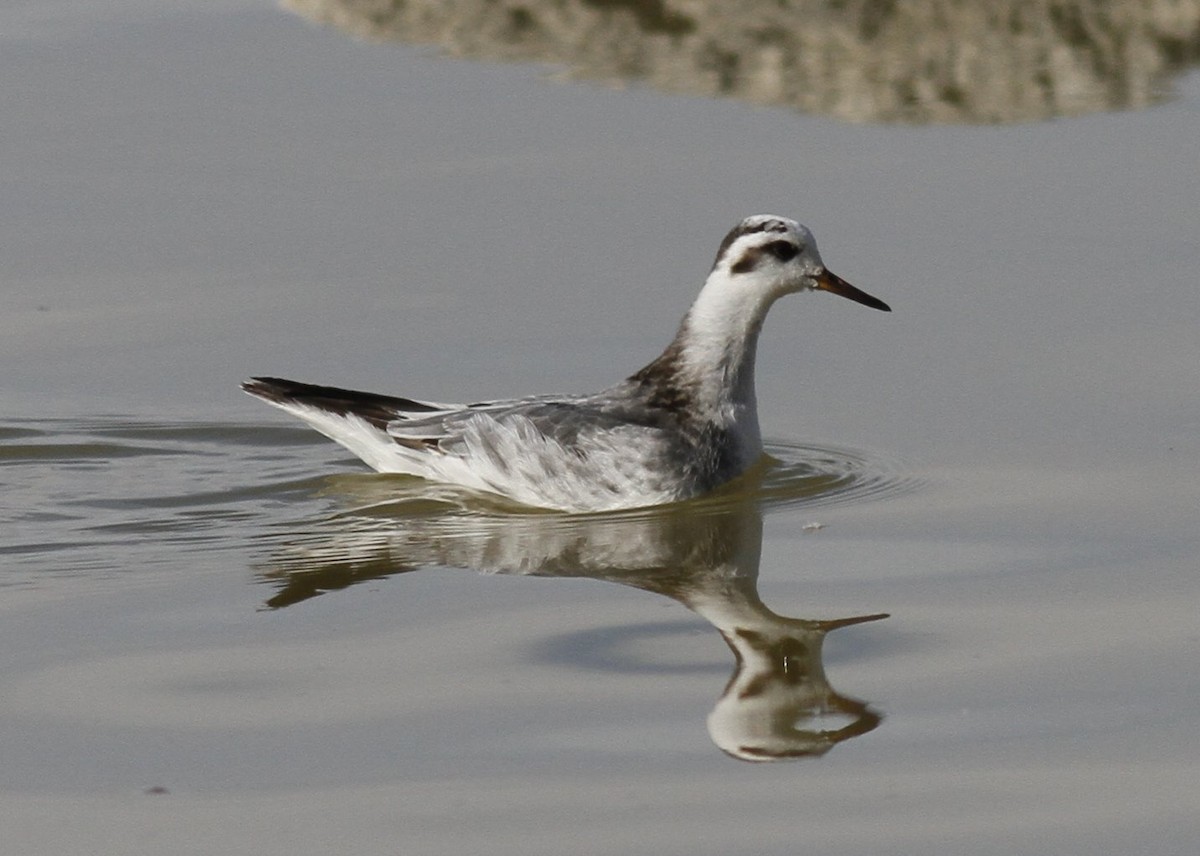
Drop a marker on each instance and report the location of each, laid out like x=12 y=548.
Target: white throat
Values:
x=718 y=342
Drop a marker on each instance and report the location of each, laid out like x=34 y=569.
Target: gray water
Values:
x=222 y=635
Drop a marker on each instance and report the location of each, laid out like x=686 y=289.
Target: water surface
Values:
x=221 y=633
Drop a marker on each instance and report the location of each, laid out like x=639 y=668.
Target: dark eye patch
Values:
x=746 y=263
x=783 y=250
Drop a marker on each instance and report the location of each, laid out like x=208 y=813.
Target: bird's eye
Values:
x=783 y=250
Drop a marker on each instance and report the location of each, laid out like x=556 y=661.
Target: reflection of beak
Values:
x=827 y=281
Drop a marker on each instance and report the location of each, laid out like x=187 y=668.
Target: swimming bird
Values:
x=679 y=427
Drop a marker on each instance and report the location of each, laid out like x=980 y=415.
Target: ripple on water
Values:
x=383 y=525
x=111 y=495
x=800 y=474
x=106 y=496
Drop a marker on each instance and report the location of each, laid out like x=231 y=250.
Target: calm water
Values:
x=955 y=614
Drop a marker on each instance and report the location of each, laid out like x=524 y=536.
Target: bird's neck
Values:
x=711 y=359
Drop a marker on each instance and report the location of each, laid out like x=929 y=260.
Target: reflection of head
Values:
x=937 y=61
x=778 y=704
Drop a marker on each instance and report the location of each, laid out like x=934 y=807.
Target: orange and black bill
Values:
x=831 y=282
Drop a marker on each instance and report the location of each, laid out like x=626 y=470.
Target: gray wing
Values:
x=564 y=420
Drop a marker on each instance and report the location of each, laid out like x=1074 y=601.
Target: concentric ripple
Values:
x=384 y=525
x=800 y=474
x=116 y=495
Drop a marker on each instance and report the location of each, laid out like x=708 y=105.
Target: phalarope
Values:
x=677 y=428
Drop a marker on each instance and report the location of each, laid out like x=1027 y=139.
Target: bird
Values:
x=676 y=429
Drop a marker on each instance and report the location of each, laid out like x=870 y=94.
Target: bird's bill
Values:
x=827 y=281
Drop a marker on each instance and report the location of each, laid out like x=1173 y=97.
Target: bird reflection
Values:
x=778 y=704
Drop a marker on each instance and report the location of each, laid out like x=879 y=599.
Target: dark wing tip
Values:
x=376 y=409
x=269 y=388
